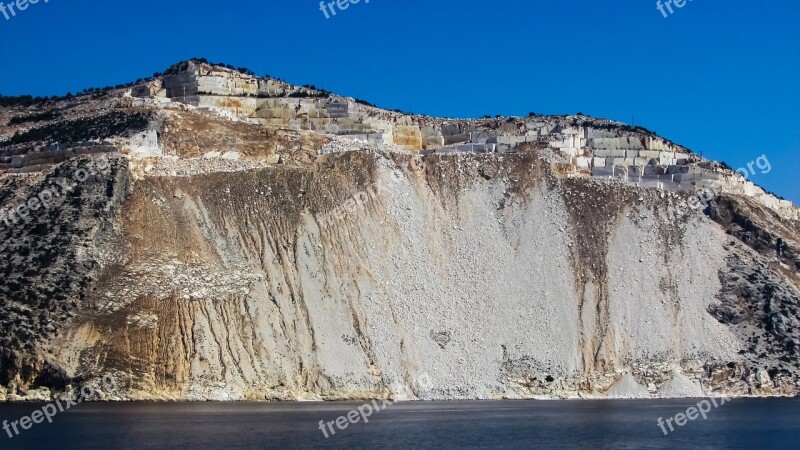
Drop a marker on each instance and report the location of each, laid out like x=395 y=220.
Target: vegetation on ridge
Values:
x=83 y=129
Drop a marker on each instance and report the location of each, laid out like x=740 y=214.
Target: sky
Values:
x=722 y=78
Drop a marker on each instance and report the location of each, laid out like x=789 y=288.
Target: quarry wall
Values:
x=516 y=286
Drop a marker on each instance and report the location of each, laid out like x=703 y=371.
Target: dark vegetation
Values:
x=22 y=100
x=83 y=129
x=47 y=262
x=35 y=118
x=26 y=101
x=318 y=90
x=364 y=102
x=308 y=94
x=613 y=127
x=183 y=65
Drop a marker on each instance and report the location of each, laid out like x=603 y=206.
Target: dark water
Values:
x=745 y=424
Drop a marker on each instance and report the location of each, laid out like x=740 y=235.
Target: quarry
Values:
x=255 y=240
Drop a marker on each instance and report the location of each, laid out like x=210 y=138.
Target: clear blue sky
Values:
x=719 y=77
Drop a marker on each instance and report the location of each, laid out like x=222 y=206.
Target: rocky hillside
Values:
x=207 y=234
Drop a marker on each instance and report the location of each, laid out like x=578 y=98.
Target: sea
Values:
x=568 y=424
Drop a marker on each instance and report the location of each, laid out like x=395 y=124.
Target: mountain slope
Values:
x=249 y=239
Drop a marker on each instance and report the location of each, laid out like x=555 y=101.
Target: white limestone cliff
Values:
x=250 y=245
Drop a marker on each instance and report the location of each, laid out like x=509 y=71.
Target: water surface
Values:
x=611 y=424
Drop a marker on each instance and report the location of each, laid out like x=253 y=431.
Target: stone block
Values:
x=649 y=154
x=656 y=144
x=510 y=140
x=623 y=162
x=452 y=129
x=482 y=138
x=666 y=161
x=634 y=143
x=450 y=139
x=677 y=170
x=433 y=142
x=593 y=133
x=407 y=136
x=605 y=143
x=609 y=153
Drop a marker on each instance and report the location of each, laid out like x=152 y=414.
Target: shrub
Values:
x=41 y=117
x=364 y=102
x=22 y=100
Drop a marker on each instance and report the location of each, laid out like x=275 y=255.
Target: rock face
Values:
x=219 y=257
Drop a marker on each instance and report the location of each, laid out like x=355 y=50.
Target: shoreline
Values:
x=409 y=401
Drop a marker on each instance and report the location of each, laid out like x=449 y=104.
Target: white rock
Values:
x=627 y=387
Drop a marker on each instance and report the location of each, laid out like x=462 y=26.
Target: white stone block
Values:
x=649 y=154
x=609 y=153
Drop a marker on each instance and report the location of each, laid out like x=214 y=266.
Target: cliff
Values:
x=241 y=238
